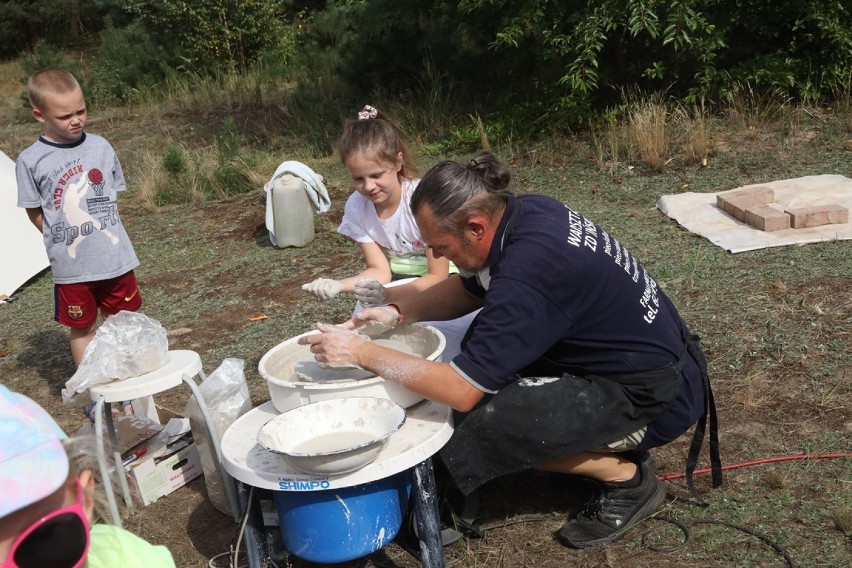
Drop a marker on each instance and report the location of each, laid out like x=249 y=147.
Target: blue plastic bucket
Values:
x=337 y=525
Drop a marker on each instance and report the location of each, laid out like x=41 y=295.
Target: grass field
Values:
x=776 y=325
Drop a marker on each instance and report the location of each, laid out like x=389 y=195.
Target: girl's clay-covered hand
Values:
x=323 y=288
x=369 y=292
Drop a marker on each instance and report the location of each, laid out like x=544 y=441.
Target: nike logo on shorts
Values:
x=131 y=296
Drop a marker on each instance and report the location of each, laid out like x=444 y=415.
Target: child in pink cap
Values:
x=47 y=499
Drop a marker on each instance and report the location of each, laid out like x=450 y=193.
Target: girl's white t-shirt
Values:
x=398 y=235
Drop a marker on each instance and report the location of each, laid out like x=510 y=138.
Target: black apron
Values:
x=535 y=420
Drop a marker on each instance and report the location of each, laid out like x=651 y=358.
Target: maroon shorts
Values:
x=77 y=304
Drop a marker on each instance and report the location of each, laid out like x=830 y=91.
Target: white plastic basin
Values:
x=287 y=390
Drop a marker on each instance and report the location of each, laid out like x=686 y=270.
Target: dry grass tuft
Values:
x=19 y=127
x=843 y=107
x=779 y=479
x=751 y=109
x=647 y=121
x=148 y=179
x=755 y=392
x=207 y=98
x=842 y=517
x=483 y=134
x=158 y=185
x=692 y=134
x=614 y=148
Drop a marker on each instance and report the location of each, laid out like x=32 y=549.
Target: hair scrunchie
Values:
x=473 y=165
x=368 y=113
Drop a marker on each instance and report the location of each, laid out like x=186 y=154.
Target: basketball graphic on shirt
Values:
x=96 y=180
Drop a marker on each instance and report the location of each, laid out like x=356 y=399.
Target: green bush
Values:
x=563 y=63
x=175 y=186
x=534 y=67
x=63 y=24
x=230 y=176
x=174 y=162
x=212 y=35
x=128 y=61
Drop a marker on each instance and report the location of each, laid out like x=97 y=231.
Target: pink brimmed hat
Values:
x=33 y=462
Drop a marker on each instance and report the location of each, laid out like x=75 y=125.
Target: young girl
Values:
x=47 y=503
x=378 y=217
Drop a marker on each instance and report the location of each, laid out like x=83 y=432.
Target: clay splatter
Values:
x=345 y=507
x=537 y=381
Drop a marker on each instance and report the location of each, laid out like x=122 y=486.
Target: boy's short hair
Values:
x=33 y=460
x=50 y=81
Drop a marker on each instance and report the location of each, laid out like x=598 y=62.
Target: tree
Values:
x=567 y=59
x=212 y=34
x=60 y=23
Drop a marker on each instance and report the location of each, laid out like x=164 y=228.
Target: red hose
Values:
x=760 y=461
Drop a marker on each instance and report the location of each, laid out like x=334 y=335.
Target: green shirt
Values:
x=412 y=264
x=113 y=547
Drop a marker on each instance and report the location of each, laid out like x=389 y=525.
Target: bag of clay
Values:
x=127 y=344
x=226 y=393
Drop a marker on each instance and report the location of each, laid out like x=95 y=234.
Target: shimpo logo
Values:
x=290 y=485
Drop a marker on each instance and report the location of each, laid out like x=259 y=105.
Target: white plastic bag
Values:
x=127 y=344
x=227 y=396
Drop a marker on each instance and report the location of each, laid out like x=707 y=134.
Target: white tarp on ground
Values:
x=697 y=212
x=22 y=253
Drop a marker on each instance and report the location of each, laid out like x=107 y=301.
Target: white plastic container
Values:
x=287 y=390
x=292 y=212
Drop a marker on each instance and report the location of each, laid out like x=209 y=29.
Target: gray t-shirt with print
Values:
x=76 y=185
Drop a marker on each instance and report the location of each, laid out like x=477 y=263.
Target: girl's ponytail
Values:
x=375 y=135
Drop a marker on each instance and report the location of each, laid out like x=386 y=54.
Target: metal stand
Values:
x=426 y=514
x=255 y=544
x=102 y=461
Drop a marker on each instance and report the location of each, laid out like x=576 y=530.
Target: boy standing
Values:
x=68 y=181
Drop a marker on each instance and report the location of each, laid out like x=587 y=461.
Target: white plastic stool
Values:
x=181 y=366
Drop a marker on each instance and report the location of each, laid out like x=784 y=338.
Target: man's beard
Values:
x=466 y=273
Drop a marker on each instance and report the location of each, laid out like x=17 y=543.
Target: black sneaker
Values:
x=614 y=510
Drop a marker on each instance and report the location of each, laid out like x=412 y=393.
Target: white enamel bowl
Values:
x=333 y=436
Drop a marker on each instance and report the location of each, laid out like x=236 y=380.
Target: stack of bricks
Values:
x=751 y=205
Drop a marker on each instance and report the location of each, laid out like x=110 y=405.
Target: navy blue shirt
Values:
x=563 y=289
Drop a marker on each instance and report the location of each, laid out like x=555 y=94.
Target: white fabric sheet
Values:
x=697 y=212
x=22 y=253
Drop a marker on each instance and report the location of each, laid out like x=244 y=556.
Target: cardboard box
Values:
x=150 y=477
x=158 y=458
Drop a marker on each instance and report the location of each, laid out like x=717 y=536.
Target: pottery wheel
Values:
x=310 y=370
